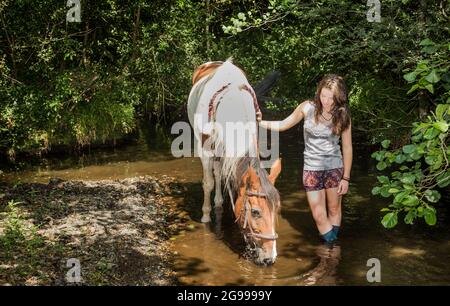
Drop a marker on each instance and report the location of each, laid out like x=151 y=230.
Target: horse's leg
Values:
x=208 y=185
x=218 y=198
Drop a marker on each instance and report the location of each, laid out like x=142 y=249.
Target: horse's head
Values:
x=257 y=205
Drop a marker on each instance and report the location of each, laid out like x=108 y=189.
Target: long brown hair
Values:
x=340 y=111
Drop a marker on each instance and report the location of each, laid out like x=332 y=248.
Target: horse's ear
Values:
x=275 y=171
x=254 y=180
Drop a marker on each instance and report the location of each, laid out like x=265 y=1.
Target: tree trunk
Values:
x=86 y=35
x=137 y=15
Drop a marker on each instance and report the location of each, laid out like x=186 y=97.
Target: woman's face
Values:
x=326 y=98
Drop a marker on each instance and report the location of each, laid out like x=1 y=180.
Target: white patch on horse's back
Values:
x=204 y=90
x=236 y=115
x=229 y=73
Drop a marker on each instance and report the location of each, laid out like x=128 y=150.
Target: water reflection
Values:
x=218 y=212
x=325 y=273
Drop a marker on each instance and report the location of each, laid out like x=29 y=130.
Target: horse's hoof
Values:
x=206 y=219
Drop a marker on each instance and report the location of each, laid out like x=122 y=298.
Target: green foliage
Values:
x=423 y=163
x=76 y=84
x=14 y=232
x=22 y=248
x=428 y=72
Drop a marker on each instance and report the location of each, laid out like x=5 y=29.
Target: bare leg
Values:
x=334 y=206
x=316 y=200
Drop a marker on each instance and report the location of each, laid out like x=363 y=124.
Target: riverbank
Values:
x=119 y=230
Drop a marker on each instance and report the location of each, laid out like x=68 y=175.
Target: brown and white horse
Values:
x=222 y=109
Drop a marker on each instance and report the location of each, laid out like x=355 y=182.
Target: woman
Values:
x=326 y=175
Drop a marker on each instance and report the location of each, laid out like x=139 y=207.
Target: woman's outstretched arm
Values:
x=290 y=121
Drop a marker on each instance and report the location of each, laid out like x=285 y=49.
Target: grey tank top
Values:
x=322 y=149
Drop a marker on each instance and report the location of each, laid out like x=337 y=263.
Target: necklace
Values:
x=321 y=114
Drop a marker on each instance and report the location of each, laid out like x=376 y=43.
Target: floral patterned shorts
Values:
x=324 y=179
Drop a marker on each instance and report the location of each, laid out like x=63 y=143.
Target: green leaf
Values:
x=393 y=190
x=432 y=195
x=381 y=165
x=430 y=88
x=376 y=190
x=417 y=138
x=438 y=163
x=422 y=66
x=385 y=143
x=378 y=155
x=421 y=148
x=426 y=42
x=430 y=216
x=410 y=216
x=396 y=174
x=441 y=125
x=410 y=200
x=443 y=179
x=390 y=157
x=408 y=149
x=420 y=211
x=413 y=88
x=383 y=179
x=408 y=179
x=433 y=77
x=384 y=191
x=430 y=159
x=390 y=220
x=430 y=49
x=385 y=209
x=400 y=158
x=415 y=155
x=420 y=127
x=431 y=133
x=400 y=196
x=441 y=109
x=408 y=187
x=410 y=77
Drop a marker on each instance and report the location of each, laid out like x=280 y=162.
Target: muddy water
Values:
x=210 y=254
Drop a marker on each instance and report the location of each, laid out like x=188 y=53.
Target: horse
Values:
x=221 y=96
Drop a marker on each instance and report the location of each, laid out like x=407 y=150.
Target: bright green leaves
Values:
x=432 y=195
x=427 y=74
x=443 y=180
x=413 y=186
x=385 y=143
x=390 y=220
x=430 y=216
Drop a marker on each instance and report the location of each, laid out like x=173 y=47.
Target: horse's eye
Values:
x=256 y=213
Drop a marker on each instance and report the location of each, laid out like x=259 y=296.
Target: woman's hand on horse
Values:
x=343 y=187
x=258 y=116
